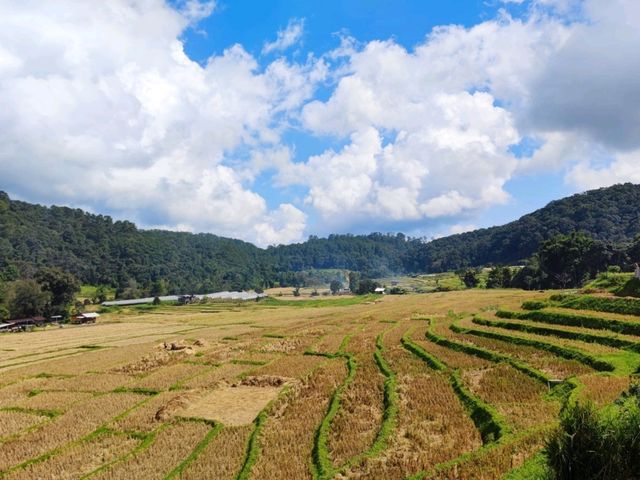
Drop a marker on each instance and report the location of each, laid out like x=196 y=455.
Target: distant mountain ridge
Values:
x=99 y=250
x=610 y=214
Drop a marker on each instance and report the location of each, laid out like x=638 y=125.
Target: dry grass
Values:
x=79 y=460
x=355 y=426
x=13 y=422
x=432 y=425
x=287 y=437
x=603 y=389
x=223 y=457
x=252 y=346
x=70 y=426
x=172 y=445
x=516 y=396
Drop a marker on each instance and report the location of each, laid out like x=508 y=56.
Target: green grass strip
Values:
x=390 y=408
x=248 y=362
x=574 y=320
x=419 y=352
x=560 y=351
x=211 y=434
x=623 y=305
x=486 y=354
x=614 y=342
x=33 y=411
x=139 y=390
x=322 y=466
x=487 y=420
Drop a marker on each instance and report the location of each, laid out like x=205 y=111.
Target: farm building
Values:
x=176 y=298
x=89 y=317
x=379 y=290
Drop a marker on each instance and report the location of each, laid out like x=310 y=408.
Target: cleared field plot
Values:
x=340 y=388
x=234 y=406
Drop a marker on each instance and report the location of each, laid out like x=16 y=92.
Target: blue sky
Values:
x=272 y=121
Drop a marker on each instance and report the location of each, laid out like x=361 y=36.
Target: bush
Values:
x=627 y=306
x=629 y=289
x=592 y=445
x=534 y=305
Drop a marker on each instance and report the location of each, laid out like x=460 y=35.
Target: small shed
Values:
x=380 y=290
x=88 y=317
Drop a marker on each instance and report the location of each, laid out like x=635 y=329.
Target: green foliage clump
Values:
x=630 y=289
x=609 y=281
x=470 y=278
x=582 y=321
x=499 y=277
x=534 y=305
x=593 y=445
x=626 y=306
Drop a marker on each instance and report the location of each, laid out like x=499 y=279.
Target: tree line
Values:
x=100 y=251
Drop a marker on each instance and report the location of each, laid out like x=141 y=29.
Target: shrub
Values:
x=628 y=306
x=629 y=289
x=534 y=305
x=592 y=445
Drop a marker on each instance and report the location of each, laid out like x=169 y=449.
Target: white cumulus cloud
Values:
x=102 y=108
x=287 y=37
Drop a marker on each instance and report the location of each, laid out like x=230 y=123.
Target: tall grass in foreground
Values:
x=598 y=445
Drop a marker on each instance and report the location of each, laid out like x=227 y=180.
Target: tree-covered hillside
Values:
x=98 y=250
x=610 y=215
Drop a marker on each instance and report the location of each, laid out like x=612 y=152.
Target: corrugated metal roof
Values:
x=174 y=298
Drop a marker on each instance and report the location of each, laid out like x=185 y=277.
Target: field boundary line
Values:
x=558 y=350
x=196 y=452
x=489 y=423
x=485 y=353
x=592 y=322
x=390 y=407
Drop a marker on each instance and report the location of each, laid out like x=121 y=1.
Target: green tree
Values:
x=570 y=260
x=158 y=288
x=470 y=278
x=335 y=286
x=26 y=299
x=499 y=277
x=354 y=281
x=62 y=286
x=366 y=286
x=101 y=294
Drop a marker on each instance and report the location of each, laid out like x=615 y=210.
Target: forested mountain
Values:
x=99 y=250
x=611 y=215
x=376 y=254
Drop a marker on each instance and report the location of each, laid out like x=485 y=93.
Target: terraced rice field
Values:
x=460 y=385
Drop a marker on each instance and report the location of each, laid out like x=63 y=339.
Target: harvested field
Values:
x=233 y=406
x=298 y=391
